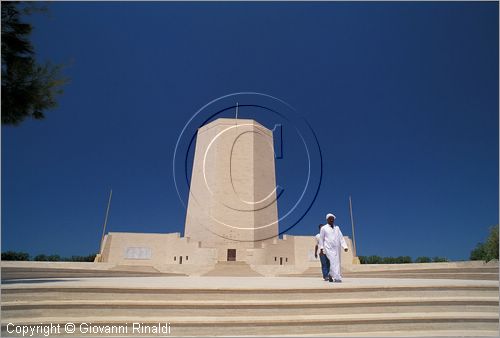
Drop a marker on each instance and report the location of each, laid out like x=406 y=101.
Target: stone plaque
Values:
x=138 y=253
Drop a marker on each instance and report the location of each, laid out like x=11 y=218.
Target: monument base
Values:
x=171 y=249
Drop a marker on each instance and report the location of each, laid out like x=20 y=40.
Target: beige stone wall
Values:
x=232 y=201
x=154 y=250
x=275 y=252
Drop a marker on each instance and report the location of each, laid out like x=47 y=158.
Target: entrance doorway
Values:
x=231 y=255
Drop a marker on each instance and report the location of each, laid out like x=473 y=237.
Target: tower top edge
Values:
x=232 y=122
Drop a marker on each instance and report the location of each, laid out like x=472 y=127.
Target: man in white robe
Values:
x=331 y=241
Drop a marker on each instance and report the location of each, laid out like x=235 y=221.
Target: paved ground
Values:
x=206 y=282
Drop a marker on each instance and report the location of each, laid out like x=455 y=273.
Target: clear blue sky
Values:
x=403 y=98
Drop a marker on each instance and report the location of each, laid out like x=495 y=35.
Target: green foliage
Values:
x=389 y=260
x=28 y=88
x=404 y=260
x=89 y=258
x=23 y=256
x=370 y=259
x=40 y=257
x=478 y=253
x=57 y=258
x=423 y=259
x=492 y=244
x=15 y=256
x=384 y=260
x=50 y=258
x=489 y=250
x=398 y=260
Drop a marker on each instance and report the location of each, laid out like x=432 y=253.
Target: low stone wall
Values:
x=420 y=266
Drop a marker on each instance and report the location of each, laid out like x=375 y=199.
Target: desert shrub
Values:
x=15 y=256
x=423 y=259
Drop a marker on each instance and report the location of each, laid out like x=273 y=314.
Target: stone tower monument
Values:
x=232 y=200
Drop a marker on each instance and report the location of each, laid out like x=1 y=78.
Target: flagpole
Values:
x=105 y=221
x=352 y=224
x=237 y=112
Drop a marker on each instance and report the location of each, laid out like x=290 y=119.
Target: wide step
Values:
x=143 y=309
x=299 y=324
x=240 y=269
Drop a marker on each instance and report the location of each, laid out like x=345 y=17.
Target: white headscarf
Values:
x=330 y=215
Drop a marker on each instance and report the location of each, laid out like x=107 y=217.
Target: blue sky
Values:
x=403 y=98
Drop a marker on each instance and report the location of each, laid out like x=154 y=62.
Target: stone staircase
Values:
x=364 y=309
x=235 y=269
